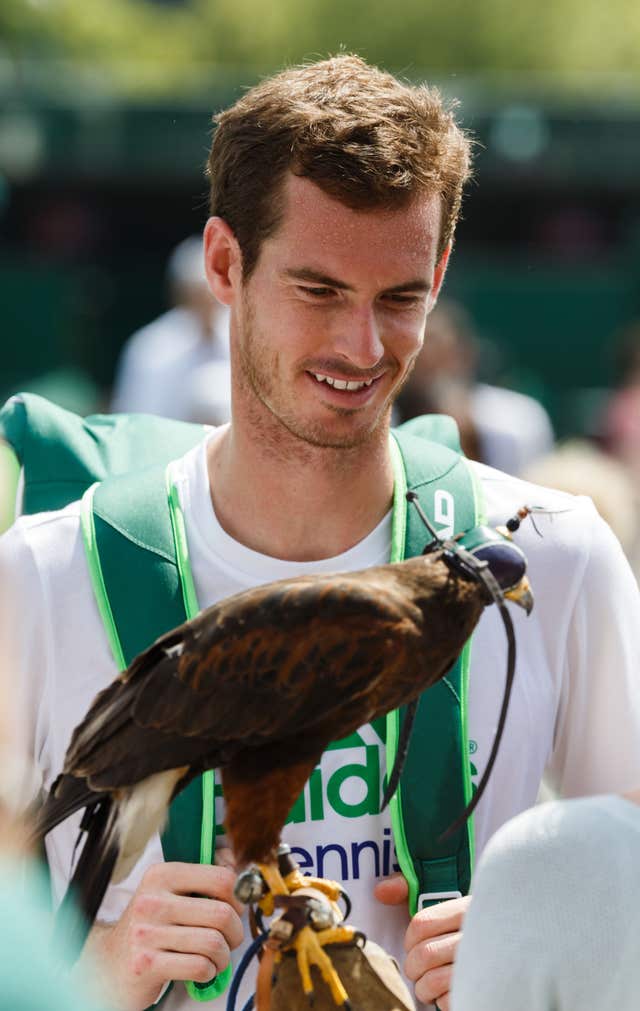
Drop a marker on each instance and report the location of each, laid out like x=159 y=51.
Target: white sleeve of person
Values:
x=22 y=672
x=597 y=734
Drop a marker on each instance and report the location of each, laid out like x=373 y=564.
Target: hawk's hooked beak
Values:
x=521 y=595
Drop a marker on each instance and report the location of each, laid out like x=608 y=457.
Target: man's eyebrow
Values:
x=307 y=274
x=316 y=277
x=419 y=284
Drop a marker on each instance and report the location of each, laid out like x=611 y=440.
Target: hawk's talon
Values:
x=347 y=903
x=309 y=949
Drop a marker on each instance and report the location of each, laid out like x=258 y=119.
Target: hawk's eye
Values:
x=506 y=562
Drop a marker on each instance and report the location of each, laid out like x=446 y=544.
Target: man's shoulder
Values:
x=43 y=566
x=504 y=494
x=564 y=531
x=46 y=536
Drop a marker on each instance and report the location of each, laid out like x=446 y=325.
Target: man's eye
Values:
x=315 y=292
x=406 y=300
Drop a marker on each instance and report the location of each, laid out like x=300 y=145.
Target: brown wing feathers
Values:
x=268 y=662
x=266 y=679
x=229 y=675
x=258 y=686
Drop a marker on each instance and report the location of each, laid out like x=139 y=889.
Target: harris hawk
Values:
x=258 y=686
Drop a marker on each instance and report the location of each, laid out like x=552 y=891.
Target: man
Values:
x=334 y=195
x=159 y=362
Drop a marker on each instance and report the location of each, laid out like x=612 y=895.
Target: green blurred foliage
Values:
x=145 y=46
x=140 y=46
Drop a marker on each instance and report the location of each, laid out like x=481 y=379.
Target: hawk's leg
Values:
x=284 y=877
x=275 y=886
x=308 y=918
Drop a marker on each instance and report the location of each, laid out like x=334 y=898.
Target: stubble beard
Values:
x=278 y=423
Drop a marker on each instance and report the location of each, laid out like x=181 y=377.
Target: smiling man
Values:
x=326 y=327
x=335 y=191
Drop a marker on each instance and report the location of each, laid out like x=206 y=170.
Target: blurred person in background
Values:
x=582 y=468
x=154 y=374
x=621 y=426
x=208 y=394
x=499 y=427
x=555 y=916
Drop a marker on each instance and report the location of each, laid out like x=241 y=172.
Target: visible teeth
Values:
x=341 y=384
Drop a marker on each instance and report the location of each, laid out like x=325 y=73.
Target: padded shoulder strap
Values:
x=135 y=550
x=62 y=454
x=439 y=428
x=435 y=783
x=137 y=557
x=443 y=480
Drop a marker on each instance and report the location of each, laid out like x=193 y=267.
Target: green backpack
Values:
x=137 y=551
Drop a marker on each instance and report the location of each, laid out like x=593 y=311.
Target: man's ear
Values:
x=222 y=260
x=438 y=275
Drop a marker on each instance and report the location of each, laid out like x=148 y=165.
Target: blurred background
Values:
x=105 y=121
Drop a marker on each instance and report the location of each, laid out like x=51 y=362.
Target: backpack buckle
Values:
x=426 y=899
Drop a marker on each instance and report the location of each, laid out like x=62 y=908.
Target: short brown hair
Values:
x=357 y=132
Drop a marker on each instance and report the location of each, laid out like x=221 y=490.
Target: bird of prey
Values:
x=258 y=686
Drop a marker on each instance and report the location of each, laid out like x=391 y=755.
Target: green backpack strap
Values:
x=436 y=783
x=137 y=552
x=62 y=454
x=440 y=428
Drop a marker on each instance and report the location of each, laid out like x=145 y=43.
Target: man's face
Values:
x=329 y=323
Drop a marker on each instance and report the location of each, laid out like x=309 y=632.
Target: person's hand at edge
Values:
x=431 y=941
x=182 y=923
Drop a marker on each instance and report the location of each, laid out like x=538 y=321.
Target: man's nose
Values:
x=360 y=338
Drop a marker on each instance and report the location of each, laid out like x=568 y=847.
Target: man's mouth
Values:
x=342 y=384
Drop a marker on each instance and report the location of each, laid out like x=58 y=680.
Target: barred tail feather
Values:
x=68 y=795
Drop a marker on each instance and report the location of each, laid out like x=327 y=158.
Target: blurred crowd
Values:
x=178 y=365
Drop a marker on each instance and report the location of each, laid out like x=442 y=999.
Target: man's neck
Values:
x=298 y=502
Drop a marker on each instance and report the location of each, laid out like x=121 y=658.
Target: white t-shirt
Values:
x=555 y=916
x=575 y=709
